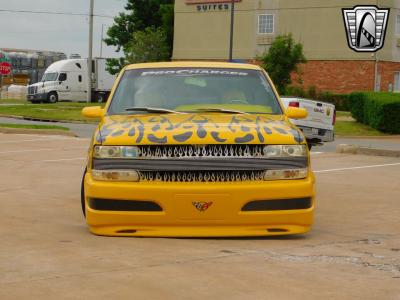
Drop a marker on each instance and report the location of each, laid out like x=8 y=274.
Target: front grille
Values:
x=201 y=176
x=32 y=90
x=182 y=151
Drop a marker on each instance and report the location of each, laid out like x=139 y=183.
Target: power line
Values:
x=54 y=13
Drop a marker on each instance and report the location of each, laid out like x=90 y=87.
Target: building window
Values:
x=398 y=24
x=265 y=24
x=396 y=87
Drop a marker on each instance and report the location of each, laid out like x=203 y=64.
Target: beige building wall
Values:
x=317 y=24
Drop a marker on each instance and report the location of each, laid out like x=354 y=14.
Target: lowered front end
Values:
x=199 y=190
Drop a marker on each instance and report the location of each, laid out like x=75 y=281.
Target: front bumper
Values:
x=180 y=218
x=36 y=97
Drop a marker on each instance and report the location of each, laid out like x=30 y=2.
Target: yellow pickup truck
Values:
x=197 y=149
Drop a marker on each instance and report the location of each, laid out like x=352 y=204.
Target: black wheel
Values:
x=83 y=194
x=52 y=97
x=100 y=98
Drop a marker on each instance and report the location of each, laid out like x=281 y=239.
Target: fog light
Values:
x=285 y=174
x=115 y=175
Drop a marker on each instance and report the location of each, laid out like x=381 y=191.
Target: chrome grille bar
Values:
x=193 y=176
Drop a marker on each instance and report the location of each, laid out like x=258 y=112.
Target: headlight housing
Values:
x=285 y=150
x=115 y=152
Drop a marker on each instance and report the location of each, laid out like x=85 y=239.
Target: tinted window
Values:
x=50 y=77
x=62 y=77
x=188 y=89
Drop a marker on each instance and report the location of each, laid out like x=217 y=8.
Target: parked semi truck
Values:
x=67 y=80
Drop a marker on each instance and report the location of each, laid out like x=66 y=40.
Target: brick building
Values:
x=202 y=33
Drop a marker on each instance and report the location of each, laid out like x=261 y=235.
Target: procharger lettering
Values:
x=194 y=72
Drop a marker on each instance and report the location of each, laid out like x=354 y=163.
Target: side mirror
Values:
x=93 y=112
x=296 y=113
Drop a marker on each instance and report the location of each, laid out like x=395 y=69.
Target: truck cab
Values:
x=63 y=80
x=67 y=80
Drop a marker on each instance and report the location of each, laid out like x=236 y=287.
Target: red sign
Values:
x=5 y=68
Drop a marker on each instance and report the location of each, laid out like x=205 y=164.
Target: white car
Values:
x=318 y=127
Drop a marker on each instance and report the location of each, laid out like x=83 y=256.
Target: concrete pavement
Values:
x=46 y=251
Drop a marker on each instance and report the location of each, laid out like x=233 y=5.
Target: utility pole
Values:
x=231 y=31
x=101 y=41
x=90 y=54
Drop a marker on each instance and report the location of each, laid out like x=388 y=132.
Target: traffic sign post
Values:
x=5 y=65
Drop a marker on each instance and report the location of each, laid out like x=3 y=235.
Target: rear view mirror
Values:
x=296 y=113
x=93 y=112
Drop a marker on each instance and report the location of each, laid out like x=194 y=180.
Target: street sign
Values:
x=5 y=64
x=5 y=68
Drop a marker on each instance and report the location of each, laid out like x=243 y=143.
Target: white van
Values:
x=67 y=80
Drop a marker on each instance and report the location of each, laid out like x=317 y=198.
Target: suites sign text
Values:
x=210 y=5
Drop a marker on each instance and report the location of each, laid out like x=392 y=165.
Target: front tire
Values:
x=83 y=202
x=52 y=97
x=100 y=98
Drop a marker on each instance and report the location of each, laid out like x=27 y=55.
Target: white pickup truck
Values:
x=318 y=126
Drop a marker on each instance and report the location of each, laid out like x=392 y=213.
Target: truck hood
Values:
x=213 y=128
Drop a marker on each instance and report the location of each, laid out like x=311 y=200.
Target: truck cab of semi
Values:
x=67 y=80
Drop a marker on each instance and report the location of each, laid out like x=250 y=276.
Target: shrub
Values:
x=356 y=102
x=379 y=110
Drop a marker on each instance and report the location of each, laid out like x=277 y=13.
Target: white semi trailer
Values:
x=67 y=80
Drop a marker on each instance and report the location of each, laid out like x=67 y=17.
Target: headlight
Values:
x=285 y=150
x=115 y=175
x=116 y=152
x=286 y=174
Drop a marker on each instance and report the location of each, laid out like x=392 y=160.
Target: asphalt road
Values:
x=46 y=251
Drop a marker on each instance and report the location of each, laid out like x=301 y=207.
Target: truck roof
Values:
x=66 y=65
x=193 y=64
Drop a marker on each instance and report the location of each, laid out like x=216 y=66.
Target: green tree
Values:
x=148 y=45
x=139 y=15
x=281 y=59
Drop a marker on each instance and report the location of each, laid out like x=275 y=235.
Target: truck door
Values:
x=64 y=89
x=81 y=87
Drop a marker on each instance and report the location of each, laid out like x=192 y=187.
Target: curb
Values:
x=372 y=137
x=36 y=131
x=46 y=120
x=355 y=149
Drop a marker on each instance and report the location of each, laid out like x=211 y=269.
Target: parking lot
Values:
x=46 y=251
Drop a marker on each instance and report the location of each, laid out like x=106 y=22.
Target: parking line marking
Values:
x=62 y=159
x=355 y=168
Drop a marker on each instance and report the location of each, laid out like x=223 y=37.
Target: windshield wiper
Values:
x=154 y=109
x=222 y=110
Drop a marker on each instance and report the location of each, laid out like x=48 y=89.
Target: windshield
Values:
x=194 y=89
x=50 y=77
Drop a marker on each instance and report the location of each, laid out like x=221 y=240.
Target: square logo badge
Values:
x=365 y=27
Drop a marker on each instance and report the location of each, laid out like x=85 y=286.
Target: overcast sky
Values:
x=65 y=33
